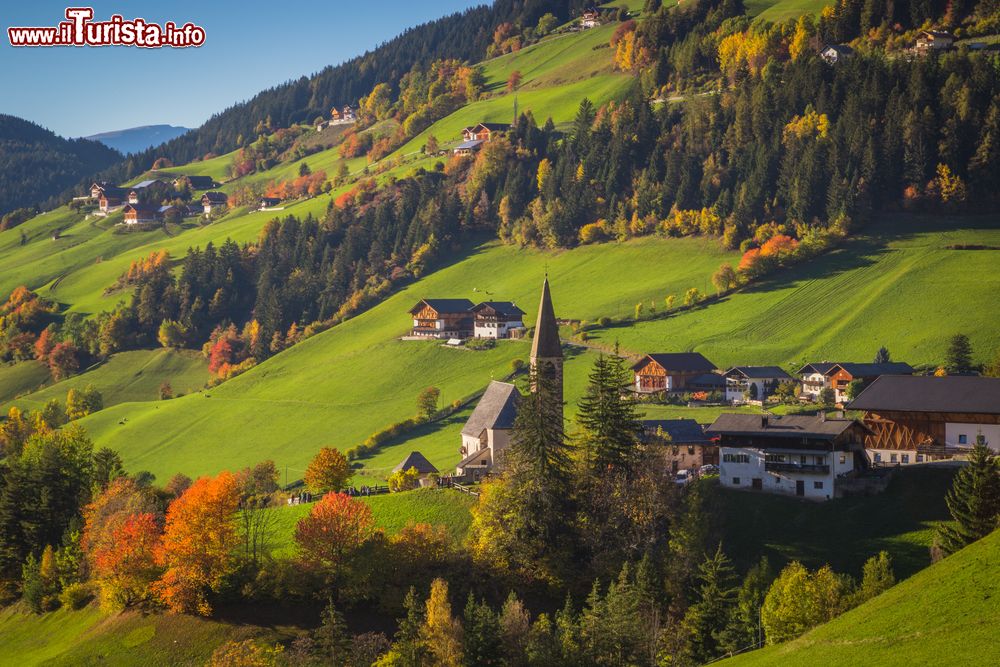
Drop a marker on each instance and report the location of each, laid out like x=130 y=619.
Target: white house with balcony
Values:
x=794 y=455
x=745 y=384
x=496 y=319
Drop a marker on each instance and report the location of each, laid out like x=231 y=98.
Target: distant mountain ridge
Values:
x=136 y=139
x=36 y=163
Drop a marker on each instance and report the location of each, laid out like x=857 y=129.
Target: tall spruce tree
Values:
x=973 y=500
x=609 y=417
x=538 y=446
x=707 y=619
x=959 y=356
x=883 y=356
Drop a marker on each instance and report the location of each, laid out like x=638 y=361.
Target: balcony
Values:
x=809 y=469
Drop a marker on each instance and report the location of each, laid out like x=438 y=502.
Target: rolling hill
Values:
x=945 y=614
x=136 y=139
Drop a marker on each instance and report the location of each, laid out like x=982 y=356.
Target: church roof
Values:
x=496 y=409
x=546 y=341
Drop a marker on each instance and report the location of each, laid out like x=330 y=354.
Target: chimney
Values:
x=763 y=421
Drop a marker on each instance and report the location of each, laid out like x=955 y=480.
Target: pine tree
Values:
x=407 y=643
x=744 y=627
x=608 y=416
x=707 y=619
x=959 y=356
x=538 y=444
x=333 y=643
x=882 y=356
x=973 y=500
x=482 y=639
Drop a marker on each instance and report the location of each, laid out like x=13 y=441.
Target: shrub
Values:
x=481 y=344
x=76 y=596
x=604 y=321
x=404 y=480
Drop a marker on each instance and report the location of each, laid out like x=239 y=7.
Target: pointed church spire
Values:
x=546 y=341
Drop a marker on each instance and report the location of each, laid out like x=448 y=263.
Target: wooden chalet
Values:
x=111 y=199
x=484 y=131
x=915 y=418
x=442 y=318
x=136 y=193
x=214 y=200
x=934 y=40
x=268 y=202
x=685 y=444
x=590 y=18
x=98 y=188
x=497 y=319
x=669 y=371
x=841 y=375
x=136 y=214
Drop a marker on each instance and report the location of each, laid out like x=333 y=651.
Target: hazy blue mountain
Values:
x=137 y=139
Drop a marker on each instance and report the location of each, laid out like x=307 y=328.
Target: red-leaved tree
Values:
x=337 y=526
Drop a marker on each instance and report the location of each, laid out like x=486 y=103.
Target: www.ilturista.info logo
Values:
x=81 y=30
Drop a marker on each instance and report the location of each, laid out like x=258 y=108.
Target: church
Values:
x=487 y=432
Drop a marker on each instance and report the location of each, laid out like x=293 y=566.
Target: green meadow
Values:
x=782 y=10
x=946 y=614
x=126 y=376
x=21 y=379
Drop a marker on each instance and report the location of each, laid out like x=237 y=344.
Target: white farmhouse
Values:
x=496 y=319
x=753 y=383
x=796 y=455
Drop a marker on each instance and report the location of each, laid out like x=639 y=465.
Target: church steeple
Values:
x=546 y=350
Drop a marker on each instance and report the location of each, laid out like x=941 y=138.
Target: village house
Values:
x=197 y=182
x=753 y=383
x=917 y=418
x=834 y=53
x=841 y=375
x=442 y=318
x=685 y=444
x=213 y=201
x=838 y=375
x=423 y=467
x=136 y=214
x=342 y=117
x=474 y=137
x=591 y=18
x=669 y=371
x=138 y=190
x=800 y=455
x=98 y=188
x=497 y=319
x=171 y=211
x=268 y=202
x=934 y=40
x=488 y=430
x=111 y=199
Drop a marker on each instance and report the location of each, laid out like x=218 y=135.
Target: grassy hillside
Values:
x=90 y=637
x=22 y=378
x=392 y=513
x=898 y=284
x=126 y=376
x=944 y=615
x=781 y=10
x=843 y=532
x=340 y=386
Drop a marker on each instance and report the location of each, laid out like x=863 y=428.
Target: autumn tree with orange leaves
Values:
x=337 y=526
x=199 y=544
x=328 y=471
x=120 y=538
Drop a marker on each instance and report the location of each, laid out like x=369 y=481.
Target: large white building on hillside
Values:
x=796 y=455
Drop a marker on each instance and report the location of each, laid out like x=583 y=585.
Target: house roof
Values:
x=708 y=379
x=472 y=143
x=112 y=193
x=418 y=461
x=760 y=372
x=820 y=367
x=783 y=426
x=501 y=307
x=874 y=370
x=681 y=431
x=924 y=393
x=168 y=207
x=493 y=127
x=679 y=361
x=139 y=209
x=444 y=305
x=145 y=184
x=495 y=410
x=841 y=49
x=546 y=340
x=215 y=197
x=199 y=181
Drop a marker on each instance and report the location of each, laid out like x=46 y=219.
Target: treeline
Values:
x=36 y=164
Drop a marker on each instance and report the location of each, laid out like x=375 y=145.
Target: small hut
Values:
x=424 y=467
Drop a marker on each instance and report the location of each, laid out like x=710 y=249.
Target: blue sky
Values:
x=249 y=46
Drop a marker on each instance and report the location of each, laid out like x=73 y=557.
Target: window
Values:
x=843 y=459
x=906 y=458
x=893 y=458
x=820 y=460
x=736 y=458
x=920 y=458
x=963 y=439
x=736 y=481
x=878 y=457
x=817 y=485
x=691 y=450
